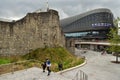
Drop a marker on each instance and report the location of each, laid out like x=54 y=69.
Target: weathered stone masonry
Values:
x=35 y=30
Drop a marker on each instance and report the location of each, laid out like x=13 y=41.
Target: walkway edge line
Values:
x=60 y=72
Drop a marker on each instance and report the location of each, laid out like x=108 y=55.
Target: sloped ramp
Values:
x=33 y=73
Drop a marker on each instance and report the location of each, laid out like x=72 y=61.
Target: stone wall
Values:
x=70 y=45
x=35 y=30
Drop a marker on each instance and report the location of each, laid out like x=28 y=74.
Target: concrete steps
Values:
x=33 y=73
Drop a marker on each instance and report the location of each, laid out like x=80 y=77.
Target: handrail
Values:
x=80 y=75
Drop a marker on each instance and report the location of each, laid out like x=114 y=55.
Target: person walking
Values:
x=44 y=66
x=48 y=64
x=60 y=66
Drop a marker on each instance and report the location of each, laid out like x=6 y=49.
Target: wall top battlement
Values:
x=33 y=13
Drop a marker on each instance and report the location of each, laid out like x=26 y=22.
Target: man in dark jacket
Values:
x=44 y=66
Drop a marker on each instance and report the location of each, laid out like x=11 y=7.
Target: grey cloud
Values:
x=18 y=8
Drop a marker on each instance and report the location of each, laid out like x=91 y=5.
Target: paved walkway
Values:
x=98 y=67
x=32 y=74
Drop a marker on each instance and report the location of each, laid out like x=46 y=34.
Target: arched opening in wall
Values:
x=77 y=46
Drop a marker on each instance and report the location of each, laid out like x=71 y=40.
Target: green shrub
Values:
x=56 y=55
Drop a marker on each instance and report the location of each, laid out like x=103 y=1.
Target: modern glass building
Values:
x=92 y=24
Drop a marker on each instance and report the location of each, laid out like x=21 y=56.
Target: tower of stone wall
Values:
x=35 y=30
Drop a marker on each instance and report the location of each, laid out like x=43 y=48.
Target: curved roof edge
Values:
x=68 y=20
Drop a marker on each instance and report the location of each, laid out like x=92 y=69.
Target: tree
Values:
x=114 y=40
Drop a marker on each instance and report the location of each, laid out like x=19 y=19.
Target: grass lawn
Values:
x=4 y=61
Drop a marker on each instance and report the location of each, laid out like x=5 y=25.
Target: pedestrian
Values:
x=44 y=66
x=48 y=64
x=104 y=52
x=60 y=66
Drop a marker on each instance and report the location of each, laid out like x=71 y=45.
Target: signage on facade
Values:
x=101 y=24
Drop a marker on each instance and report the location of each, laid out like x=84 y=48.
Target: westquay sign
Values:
x=101 y=24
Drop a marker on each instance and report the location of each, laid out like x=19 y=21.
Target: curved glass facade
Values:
x=93 y=25
x=88 y=34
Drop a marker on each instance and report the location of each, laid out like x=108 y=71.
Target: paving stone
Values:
x=32 y=74
x=98 y=67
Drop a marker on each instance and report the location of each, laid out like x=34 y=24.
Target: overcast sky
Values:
x=16 y=9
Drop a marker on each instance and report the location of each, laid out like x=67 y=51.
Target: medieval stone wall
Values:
x=35 y=30
x=70 y=45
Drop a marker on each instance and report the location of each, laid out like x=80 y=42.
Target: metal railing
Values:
x=80 y=75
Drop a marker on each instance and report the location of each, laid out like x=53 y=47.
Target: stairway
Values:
x=33 y=73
